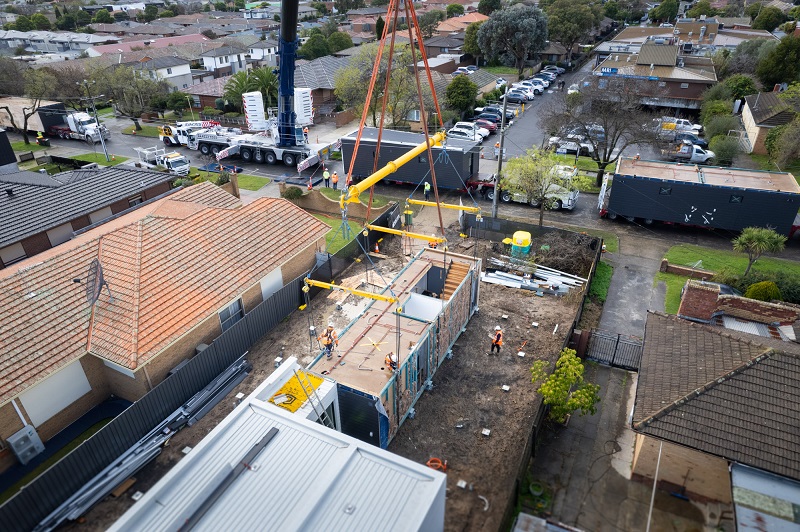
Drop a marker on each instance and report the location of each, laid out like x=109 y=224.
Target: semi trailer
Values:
x=647 y=192
x=51 y=119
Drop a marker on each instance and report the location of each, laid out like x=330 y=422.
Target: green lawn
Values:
x=586 y=183
x=107 y=112
x=378 y=201
x=10 y=492
x=764 y=163
x=674 y=285
x=146 y=131
x=717 y=260
x=251 y=182
x=501 y=70
x=100 y=159
x=334 y=239
x=21 y=146
x=601 y=281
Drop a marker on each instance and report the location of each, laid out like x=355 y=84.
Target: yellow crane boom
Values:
x=473 y=210
x=360 y=293
x=351 y=196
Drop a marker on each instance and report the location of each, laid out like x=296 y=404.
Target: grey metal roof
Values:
x=657 y=54
x=308 y=477
x=158 y=62
x=224 y=50
x=42 y=202
x=406 y=138
x=319 y=73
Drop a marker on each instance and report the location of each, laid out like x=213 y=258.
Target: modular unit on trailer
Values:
x=455 y=163
x=713 y=197
x=437 y=293
x=264 y=468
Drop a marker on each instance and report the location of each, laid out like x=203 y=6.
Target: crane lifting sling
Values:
x=352 y=194
x=360 y=293
x=471 y=210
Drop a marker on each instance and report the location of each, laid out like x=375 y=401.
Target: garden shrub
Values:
x=763 y=291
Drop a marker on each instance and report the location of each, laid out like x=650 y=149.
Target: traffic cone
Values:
x=310 y=184
x=482 y=155
x=377 y=250
x=113 y=157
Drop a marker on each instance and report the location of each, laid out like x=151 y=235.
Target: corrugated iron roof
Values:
x=657 y=54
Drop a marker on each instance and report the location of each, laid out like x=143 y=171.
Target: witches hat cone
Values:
x=377 y=250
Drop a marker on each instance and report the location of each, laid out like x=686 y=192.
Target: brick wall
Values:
x=314 y=201
x=182 y=348
x=126 y=387
x=81 y=222
x=694 y=273
x=698 y=301
x=301 y=262
x=705 y=477
x=35 y=244
x=157 y=190
x=120 y=206
x=252 y=297
x=761 y=311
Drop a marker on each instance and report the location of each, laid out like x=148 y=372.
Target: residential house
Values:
x=761 y=113
x=668 y=80
x=459 y=24
x=318 y=75
x=363 y=24
x=224 y=61
x=205 y=93
x=179 y=271
x=173 y=69
x=355 y=14
x=554 y=53
x=265 y=52
x=40 y=212
x=122 y=47
x=445 y=44
x=46 y=42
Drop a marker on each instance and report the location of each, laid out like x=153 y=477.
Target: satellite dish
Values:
x=95 y=282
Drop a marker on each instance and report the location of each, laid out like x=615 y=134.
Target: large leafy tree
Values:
x=339 y=41
x=471 y=40
x=782 y=65
x=747 y=56
x=429 y=20
x=23 y=23
x=103 y=17
x=703 y=7
x=569 y=21
x=487 y=7
x=768 y=19
x=455 y=10
x=352 y=83
x=741 y=85
x=40 y=22
x=514 y=34
x=461 y=93
x=755 y=241
x=613 y=104
x=314 y=47
x=667 y=10
x=534 y=175
x=38 y=84
x=343 y=6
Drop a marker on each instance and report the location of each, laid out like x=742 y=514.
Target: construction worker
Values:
x=497 y=150
x=427 y=191
x=497 y=339
x=391 y=361
x=329 y=339
x=326 y=178
x=433 y=244
x=305 y=133
x=335 y=180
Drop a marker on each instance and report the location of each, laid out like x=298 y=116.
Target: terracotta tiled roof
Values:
x=166 y=274
x=721 y=392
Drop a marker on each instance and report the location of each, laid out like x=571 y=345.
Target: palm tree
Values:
x=266 y=82
x=237 y=85
x=755 y=241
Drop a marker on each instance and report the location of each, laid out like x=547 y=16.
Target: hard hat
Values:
x=497 y=328
x=330 y=324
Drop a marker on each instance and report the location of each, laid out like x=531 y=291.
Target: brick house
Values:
x=179 y=270
x=709 y=398
x=761 y=113
x=39 y=212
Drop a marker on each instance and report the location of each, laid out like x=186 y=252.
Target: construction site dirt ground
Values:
x=467 y=395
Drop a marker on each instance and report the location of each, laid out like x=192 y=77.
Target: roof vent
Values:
x=10 y=192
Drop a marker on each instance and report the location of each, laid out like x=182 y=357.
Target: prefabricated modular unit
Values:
x=438 y=293
x=713 y=197
x=455 y=163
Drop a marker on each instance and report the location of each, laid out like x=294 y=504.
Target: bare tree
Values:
x=608 y=113
x=537 y=177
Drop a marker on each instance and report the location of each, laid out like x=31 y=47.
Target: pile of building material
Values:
x=542 y=280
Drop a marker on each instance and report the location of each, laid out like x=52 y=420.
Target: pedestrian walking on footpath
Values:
x=335 y=180
x=427 y=191
x=326 y=178
x=497 y=340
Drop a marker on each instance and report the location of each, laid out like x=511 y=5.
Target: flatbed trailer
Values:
x=704 y=196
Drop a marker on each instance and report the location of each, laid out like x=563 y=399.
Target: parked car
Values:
x=691 y=137
x=536 y=88
x=524 y=91
x=549 y=75
x=472 y=127
x=499 y=82
x=515 y=97
x=472 y=68
x=498 y=109
x=543 y=80
x=463 y=134
x=553 y=68
x=490 y=117
x=462 y=70
x=486 y=124
x=573 y=88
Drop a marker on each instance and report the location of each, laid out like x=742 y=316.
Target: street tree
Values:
x=534 y=175
x=703 y=7
x=782 y=64
x=38 y=83
x=330 y=27
x=40 y=22
x=666 y=11
x=608 y=113
x=741 y=85
x=569 y=21
x=23 y=23
x=487 y=7
x=314 y=47
x=131 y=92
x=768 y=19
x=150 y=13
x=455 y=10
x=514 y=34
x=82 y=18
x=755 y=241
x=429 y=21
x=461 y=94
x=339 y=41
x=471 y=40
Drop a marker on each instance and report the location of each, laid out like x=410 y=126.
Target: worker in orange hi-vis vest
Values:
x=335 y=180
x=391 y=361
x=329 y=339
x=497 y=340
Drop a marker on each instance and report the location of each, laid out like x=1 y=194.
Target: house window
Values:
x=226 y=59
x=737 y=198
x=13 y=253
x=169 y=71
x=231 y=314
x=684 y=85
x=135 y=200
x=665 y=191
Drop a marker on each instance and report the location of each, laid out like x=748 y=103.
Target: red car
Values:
x=487 y=124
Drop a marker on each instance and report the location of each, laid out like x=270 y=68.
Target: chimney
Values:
x=698 y=301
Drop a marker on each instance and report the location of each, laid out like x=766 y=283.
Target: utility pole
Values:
x=500 y=154
x=96 y=120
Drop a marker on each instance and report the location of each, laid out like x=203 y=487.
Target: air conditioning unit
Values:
x=26 y=444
